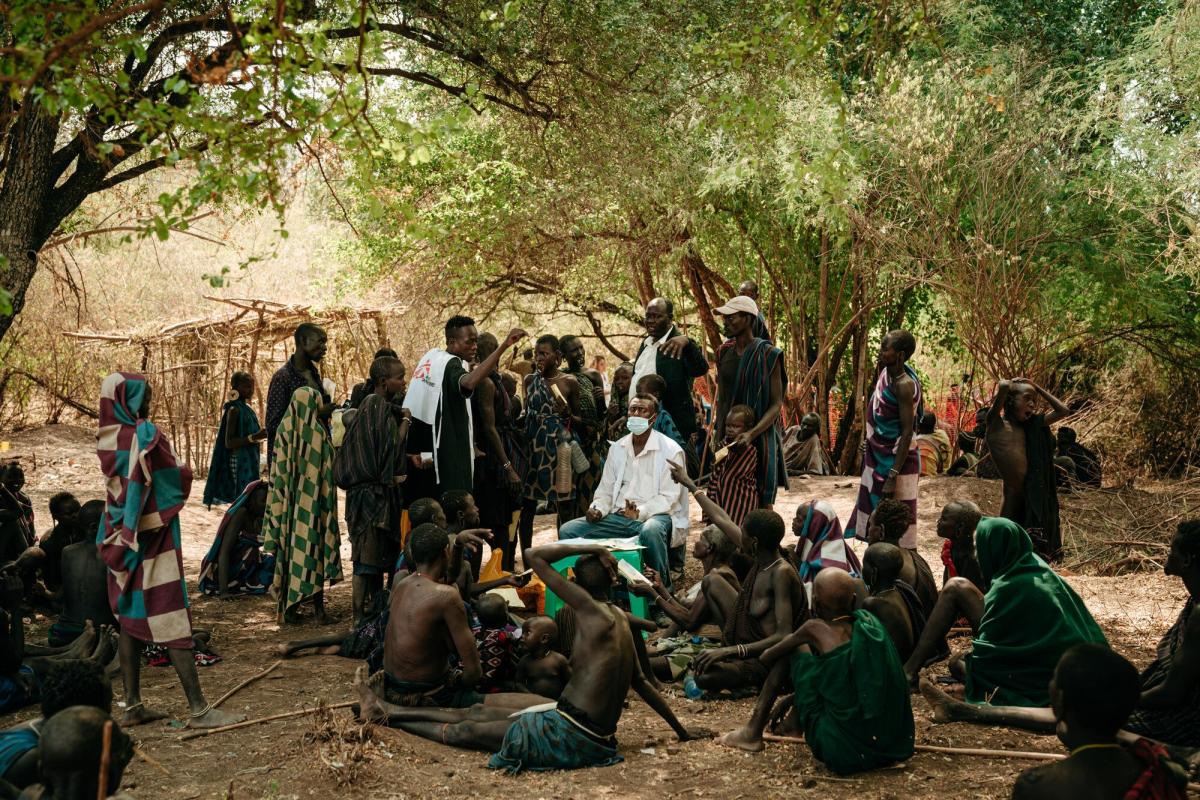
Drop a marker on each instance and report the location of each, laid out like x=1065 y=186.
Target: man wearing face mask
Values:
x=636 y=495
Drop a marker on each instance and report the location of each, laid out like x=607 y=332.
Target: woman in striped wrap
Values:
x=139 y=542
x=891 y=465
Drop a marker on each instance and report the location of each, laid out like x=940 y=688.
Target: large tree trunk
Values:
x=23 y=200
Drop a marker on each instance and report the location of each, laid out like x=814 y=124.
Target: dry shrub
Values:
x=1115 y=531
x=1143 y=418
x=342 y=744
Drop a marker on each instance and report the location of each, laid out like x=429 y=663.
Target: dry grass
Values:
x=1116 y=531
x=341 y=743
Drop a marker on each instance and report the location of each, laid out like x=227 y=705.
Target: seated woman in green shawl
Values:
x=1026 y=621
x=850 y=698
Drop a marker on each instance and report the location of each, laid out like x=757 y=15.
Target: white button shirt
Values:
x=645 y=478
x=647 y=360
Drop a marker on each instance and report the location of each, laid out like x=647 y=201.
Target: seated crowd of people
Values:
x=459 y=460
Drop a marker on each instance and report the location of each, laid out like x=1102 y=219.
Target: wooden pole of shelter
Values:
x=254 y=340
x=381 y=337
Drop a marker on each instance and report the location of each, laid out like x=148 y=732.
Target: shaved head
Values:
x=539 y=629
x=959 y=519
x=834 y=594
x=881 y=565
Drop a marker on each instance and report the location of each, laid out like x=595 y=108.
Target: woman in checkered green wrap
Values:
x=300 y=527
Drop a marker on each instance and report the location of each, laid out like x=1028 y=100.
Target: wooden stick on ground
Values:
x=140 y=753
x=961 y=751
x=774 y=737
x=246 y=683
x=272 y=718
x=978 y=751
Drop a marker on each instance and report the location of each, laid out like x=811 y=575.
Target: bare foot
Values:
x=140 y=715
x=742 y=740
x=106 y=647
x=214 y=718
x=939 y=701
x=84 y=643
x=368 y=690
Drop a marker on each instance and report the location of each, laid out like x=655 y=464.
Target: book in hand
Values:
x=630 y=573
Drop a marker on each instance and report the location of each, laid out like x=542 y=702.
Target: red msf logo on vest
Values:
x=422 y=372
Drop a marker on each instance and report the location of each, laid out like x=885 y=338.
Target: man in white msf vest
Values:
x=439 y=396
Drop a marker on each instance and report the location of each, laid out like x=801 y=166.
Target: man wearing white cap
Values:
x=750 y=289
x=750 y=372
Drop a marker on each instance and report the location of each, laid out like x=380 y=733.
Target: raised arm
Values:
x=1060 y=410
x=542 y=558
x=472 y=379
x=998 y=401
x=714 y=511
x=694 y=361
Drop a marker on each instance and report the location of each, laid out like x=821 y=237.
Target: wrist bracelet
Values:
x=506 y=465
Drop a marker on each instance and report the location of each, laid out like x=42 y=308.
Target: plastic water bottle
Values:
x=690 y=688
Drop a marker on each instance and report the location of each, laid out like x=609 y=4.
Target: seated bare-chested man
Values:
x=542 y=669
x=957 y=526
x=1093 y=692
x=1023 y=450
x=887 y=523
x=892 y=600
x=427 y=621
x=770 y=604
x=579 y=731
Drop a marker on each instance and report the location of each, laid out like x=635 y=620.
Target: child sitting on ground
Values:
x=542 y=670
x=78 y=682
x=72 y=750
x=734 y=482
x=64 y=510
x=495 y=638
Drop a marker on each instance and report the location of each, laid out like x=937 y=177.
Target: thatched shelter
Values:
x=190 y=362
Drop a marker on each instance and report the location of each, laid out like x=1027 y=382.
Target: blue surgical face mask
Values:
x=637 y=425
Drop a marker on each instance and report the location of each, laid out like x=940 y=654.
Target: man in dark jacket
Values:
x=678 y=359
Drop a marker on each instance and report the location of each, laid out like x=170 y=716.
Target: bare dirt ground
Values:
x=315 y=757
